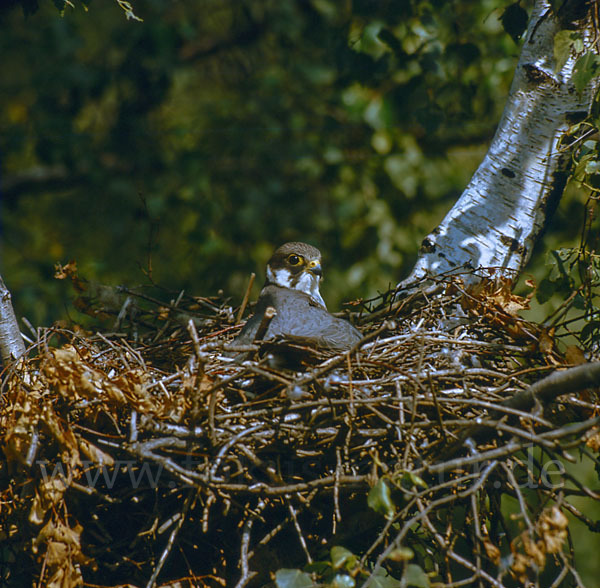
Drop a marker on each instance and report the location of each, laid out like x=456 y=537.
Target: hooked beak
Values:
x=314 y=267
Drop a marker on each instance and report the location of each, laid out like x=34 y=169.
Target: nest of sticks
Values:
x=434 y=453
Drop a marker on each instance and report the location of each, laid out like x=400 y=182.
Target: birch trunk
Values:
x=11 y=342
x=498 y=218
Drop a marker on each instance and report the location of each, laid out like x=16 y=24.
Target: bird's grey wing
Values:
x=340 y=335
x=297 y=317
x=248 y=333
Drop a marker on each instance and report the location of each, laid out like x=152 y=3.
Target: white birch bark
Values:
x=500 y=215
x=11 y=342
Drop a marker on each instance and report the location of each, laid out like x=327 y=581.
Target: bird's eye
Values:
x=294 y=260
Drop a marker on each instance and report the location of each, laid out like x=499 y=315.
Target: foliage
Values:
x=342 y=570
x=184 y=148
x=570 y=275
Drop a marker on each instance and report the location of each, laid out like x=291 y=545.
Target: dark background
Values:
x=183 y=149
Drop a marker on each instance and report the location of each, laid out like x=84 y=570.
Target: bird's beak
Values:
x=314 y=267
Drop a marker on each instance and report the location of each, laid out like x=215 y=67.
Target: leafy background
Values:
x=182 y=149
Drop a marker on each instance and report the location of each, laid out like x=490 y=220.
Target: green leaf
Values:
x=383 y=580
x=555 y=260
x=343 y=581
x=579 y=302
x=590 y=331
x=545 y=290
x=514 y=20
x=286 y=578
x=586 y=68
x=380 y=499
x=340 y=557
x=415 y=576
x=326 y=8
x=415 y=480
x=563 y=42
x=592 y=167
x=318 y=567
x=401 y=554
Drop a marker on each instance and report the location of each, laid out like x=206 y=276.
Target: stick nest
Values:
x=149 y=456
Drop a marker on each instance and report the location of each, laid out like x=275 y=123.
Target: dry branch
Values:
x=160 y=459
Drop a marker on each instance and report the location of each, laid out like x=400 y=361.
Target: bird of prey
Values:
x=292 y=290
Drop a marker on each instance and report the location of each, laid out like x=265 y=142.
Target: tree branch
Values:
x=39 y=179
x=11 y=342
x=546 y=390
x=501 y=214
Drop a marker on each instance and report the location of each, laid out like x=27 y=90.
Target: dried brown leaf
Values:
x=63 y=555
x=95 y=454
x=492 y=551
x=494 y=301
x=48 y=494
x=65 y=271
x=574 y=355
x=552 y=527
x=593 y=441
x=498 y=294
x=546 y=342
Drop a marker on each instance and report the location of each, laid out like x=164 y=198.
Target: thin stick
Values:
x=163 y=558
x=337 y=516
x=240 y=313
x=247 y=575
x=299 y=531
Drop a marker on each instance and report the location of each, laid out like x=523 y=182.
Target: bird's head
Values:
x=297 y=266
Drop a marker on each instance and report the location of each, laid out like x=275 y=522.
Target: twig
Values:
x=299 y=532
x=133 y=431
x=519 y=494
x=240 y=313
x=165 y=554
x=244 y=557
x=337 y=516
x=229 y=444
x=569 y=381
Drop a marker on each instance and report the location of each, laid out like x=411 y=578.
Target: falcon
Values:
x=292 y=289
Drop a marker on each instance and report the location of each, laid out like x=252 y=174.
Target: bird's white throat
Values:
x=306 y=282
